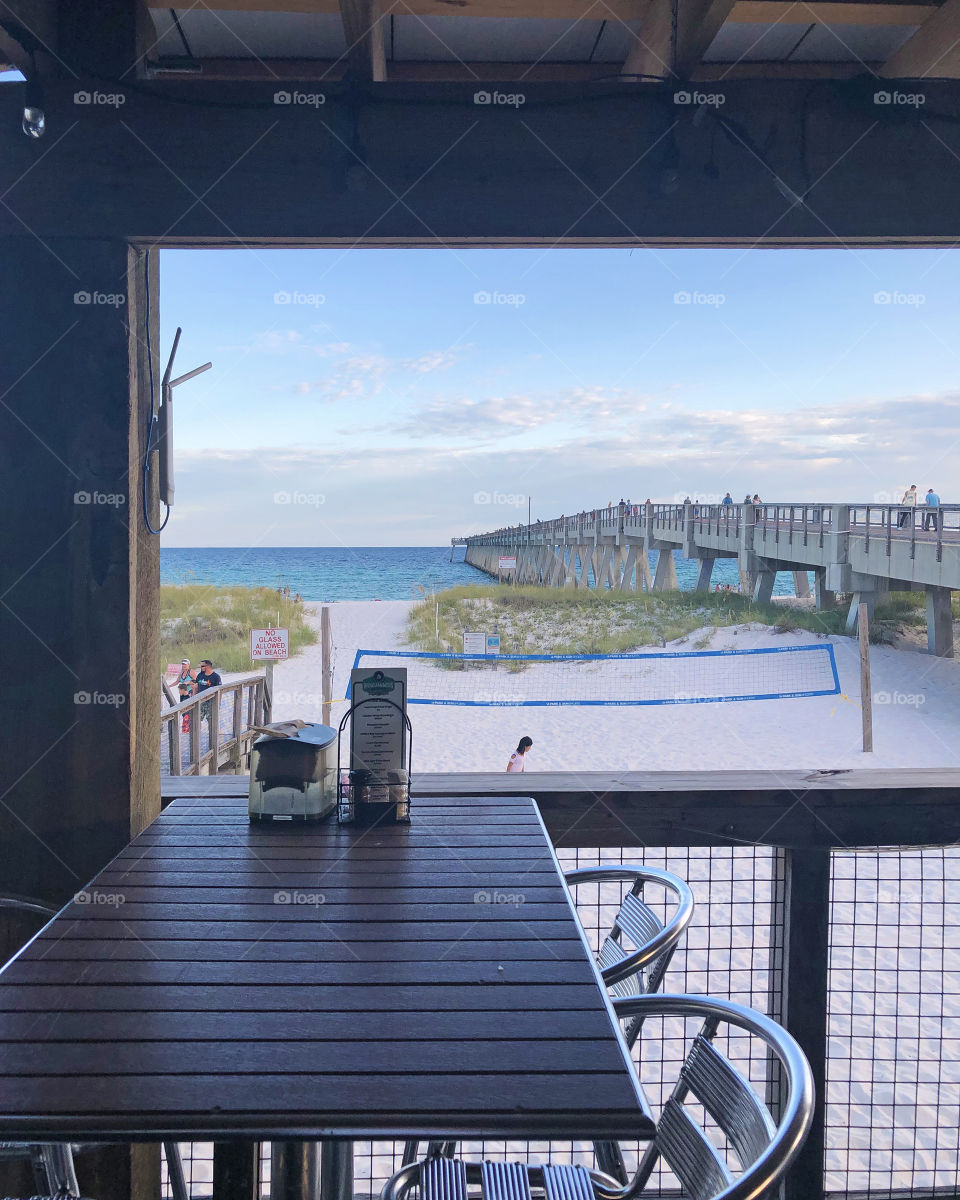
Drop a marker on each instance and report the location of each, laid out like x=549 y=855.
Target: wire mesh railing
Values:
x=893 y=1015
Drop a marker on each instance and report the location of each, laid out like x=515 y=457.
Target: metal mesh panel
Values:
x=893 y=1067
x=893 y=1061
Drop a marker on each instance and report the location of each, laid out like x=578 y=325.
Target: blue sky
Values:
x=397 y=397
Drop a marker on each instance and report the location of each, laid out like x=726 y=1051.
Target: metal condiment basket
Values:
x=377 y=795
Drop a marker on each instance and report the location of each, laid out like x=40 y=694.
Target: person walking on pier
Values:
x=908 y=502
x=930 y=517
x=517 y=761
x=727 y=500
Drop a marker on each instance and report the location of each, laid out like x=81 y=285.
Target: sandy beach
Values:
x=915 y=714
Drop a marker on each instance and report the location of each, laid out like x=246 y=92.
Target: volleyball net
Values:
x=664 y=677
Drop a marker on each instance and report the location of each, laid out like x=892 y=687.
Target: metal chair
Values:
x=634 y=971
x=757 y=1153
x=626 y=971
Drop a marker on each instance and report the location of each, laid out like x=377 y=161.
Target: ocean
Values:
x=365 y=572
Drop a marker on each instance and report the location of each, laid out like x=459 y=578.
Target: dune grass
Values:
x=199 y=621
x=534 y=620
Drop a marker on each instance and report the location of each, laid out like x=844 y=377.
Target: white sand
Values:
x=916 y=712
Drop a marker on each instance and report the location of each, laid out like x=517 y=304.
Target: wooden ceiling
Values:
x=531 y=40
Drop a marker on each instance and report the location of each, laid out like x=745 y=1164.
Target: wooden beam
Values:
x=774 y=12
x=329 y=71
x=572 y=10
x=758 y=12
x=933 y=51
x=141 y=169
x=660 y=49
x=363 y=28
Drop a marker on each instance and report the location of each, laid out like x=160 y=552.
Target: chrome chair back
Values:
x=755 y=1151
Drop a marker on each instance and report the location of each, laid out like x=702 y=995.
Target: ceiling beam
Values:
x=656 y=51
x=758 y=12
x=933 y=51
x=329 y=71
x=363 y=28
x=773 y=12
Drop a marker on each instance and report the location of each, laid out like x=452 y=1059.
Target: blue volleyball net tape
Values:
x=612 y=680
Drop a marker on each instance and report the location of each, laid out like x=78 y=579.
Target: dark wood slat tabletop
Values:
x=223 y=980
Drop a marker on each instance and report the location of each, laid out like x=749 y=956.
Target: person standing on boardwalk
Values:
x=186 y=691
x=908 y=502
x=932 y=501
x=517 y=761
x=727 y=500
x=207 y=678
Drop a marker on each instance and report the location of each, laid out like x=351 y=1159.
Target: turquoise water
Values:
x=367 y=572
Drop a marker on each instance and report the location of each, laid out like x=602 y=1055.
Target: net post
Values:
x=866 y=696
x=326 y=669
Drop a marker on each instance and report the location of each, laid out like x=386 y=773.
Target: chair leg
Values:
x=610 y=1160
x=59 y=1176
x=411 y=1152
x=178 y=1183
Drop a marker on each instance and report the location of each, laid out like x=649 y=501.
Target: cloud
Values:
x=521 y=413
x=362 y=376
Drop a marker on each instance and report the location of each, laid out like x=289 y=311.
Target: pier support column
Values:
x=939 y=622
x=825 y=598
x=704 y=571
x=643 y=571
x=801 y=584
x=665 y=577
x=763 y=587
x=858 y=598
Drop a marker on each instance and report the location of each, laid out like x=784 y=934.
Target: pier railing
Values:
x=211 y=731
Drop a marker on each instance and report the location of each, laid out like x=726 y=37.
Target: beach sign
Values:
x=474 y=643
x=481 y=643
x=508 y=562
x=272 y=644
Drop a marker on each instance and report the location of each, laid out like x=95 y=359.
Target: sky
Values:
x=400 y=397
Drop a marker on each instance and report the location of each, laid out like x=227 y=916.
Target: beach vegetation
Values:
x=199 y=621
x=538 y=620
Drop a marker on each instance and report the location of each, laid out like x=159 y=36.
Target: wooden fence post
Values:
x=866 y=695
x=805 y=976
x=326 y=676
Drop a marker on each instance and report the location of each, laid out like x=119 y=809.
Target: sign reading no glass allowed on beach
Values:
x=269 y=643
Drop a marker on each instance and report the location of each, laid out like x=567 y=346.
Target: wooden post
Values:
x=806 y=953
x=173 y=735
x=80 y=614
x=236 y=1170
x=214 y=734
x=193 y=764
x=326 y=678
x=866 y=696
x=237 y=728
x=268 y=690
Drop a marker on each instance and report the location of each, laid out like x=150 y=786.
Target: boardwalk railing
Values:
x=211 y=731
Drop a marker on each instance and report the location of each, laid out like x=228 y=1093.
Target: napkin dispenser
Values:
x=293 y=775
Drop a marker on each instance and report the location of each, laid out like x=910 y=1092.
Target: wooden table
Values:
x=220 y=981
